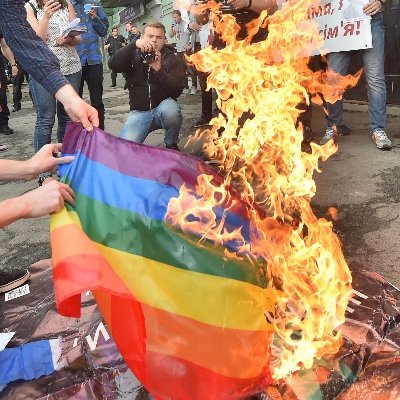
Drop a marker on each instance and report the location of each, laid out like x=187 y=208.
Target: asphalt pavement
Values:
x=362 y=182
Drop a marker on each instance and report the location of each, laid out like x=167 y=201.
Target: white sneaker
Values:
x=193 y=90
x=330 y=133
x=381 y=140
x=185 y=91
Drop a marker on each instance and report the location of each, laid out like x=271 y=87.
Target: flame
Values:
x=257 y=143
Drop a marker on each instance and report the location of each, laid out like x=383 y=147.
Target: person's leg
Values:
x=339 y=63
x=304 y=119
x=4 y=111
x=62 y=116
x=193 y=75
x=181 y=56
x=17 y=85
x=94 y=80
x=113 y=78
x=45 y=105
x=168 y=116
x=137 y=126
x=374 y=61
x=85 y=72
x=206 y=102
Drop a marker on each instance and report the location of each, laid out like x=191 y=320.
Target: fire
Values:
x=258 y=146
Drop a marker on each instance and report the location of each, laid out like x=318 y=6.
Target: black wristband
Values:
x=14 y=65
x=250 y=1
x=382 y=2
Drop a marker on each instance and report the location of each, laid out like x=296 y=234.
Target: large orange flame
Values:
x=258 y=146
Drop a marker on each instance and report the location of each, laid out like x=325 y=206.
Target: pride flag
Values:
x=188 y=321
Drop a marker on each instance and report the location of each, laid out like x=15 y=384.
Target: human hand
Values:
x=45 y=160
x=76 y=108
x=145 y=45
x=61 y=40
x=156 y=65
x=46 y=199
x=194 y=26
x=50 y=8
x=14 y=70
x=372 y=7
x=238 y=4
x=92 y=13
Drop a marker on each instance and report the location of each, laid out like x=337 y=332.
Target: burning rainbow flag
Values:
x=188 y=318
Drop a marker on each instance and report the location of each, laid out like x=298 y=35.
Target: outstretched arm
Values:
x=45 y=160
x=36 y=203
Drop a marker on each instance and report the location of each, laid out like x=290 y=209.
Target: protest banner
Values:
x=343 y=25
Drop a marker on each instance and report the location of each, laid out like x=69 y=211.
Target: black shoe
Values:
x=10 y=279
x=6 y=130
x=307 y=134
x=202 y=121
x=16 y=107
x=343 y=130
x=172 y=147
x=113 y=85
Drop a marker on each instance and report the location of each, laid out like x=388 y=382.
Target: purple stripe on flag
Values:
x=151 y=162
x=142 y=161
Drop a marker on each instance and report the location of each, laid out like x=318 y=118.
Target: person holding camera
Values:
x=114 y=42
x=155 y=79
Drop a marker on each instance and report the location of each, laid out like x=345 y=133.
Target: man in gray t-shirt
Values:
x=179 y=32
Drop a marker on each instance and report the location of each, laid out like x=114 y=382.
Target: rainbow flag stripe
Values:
x=188 y=321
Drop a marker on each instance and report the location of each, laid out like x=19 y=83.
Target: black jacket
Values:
x=148 y=88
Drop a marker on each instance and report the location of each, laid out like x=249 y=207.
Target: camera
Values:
x=148 y=58
x=227 y=8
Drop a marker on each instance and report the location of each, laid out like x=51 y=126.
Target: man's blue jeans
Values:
x=374 y=60
x=167 y=115
x=47 y=107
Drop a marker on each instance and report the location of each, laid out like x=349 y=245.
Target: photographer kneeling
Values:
x=155 y=79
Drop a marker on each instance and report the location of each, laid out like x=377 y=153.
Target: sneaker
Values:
x=172 y=147
x=381 y=140
x=193 y=90
x=10 y=279
x=330 y=133
x=202 y=121
x=185 y=91
x=6 y=130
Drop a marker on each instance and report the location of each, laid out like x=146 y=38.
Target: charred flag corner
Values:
x=188 y=321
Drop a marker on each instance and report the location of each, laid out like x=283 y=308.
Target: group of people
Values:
x=194 y=32
x=79 y=58
x=59 y=66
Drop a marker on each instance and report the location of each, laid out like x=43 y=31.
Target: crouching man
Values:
x=155 y=79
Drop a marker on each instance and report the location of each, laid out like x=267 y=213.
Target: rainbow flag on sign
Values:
x=188 y=321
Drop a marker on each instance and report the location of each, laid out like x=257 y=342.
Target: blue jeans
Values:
x=46 y=107
x=167 y=115
x=374 y=60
